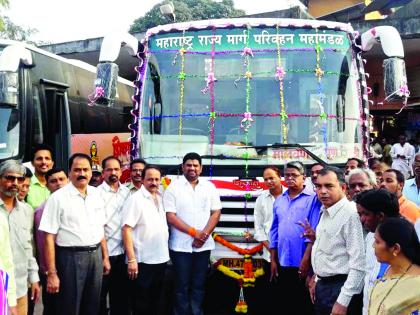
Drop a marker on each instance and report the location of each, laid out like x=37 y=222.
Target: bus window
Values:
x=37 y=132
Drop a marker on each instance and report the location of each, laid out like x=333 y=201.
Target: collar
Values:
x=401 y=200
x=74 y=192
x=108 y=188
x=146 y=194
x=131 y=186
x=306 y=191
x=35 y=181
x=334 y=209
x=16 y=204
x=411 y=182
x=184 y=181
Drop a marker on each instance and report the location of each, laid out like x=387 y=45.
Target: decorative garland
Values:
x=280 y=74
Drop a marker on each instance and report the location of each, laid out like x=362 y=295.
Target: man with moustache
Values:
x=293 y=253
x=412 y=186
x=24 y=187
x=193 y=209
x=136 y=168
x=353 y=163
x=20 y=219
x=360 y=179
x=114 y=195
x=56 y=179
x=42 y=161
x=145 y=235
x=338 y=254
x=75 y=247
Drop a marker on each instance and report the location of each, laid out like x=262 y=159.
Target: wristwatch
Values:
x=50 y=272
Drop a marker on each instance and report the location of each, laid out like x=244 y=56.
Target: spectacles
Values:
x=12 y=178
x=136 y=171
x=292 y=175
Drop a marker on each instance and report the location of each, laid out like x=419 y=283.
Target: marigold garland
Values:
x=239 y=250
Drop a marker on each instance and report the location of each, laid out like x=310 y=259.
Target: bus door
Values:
x=57 y=118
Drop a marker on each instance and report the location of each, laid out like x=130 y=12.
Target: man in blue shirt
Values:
x=290 y=252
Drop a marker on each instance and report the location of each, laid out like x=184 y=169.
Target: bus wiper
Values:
x=289 y=145
x=227 y=157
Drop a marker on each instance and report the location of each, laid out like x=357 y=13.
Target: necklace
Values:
x=389 y=291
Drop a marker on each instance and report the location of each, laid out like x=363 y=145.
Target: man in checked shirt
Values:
x=338 y=254
x=114 y=195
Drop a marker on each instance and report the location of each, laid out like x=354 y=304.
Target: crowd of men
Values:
x=97 y=246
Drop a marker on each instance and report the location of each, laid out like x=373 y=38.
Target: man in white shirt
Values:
x=20 y=219
x=401 y=154
x=193 y=210
x=75 y=246
x=114 y=195
x=338 y=254
x=145 y=234
x=136 y=168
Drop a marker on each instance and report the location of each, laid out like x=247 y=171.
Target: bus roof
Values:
x=242 y=22
x=73 y=62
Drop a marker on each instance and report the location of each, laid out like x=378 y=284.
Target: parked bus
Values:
x=247 y=93
x=44 y=98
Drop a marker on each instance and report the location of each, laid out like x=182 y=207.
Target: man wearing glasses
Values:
x=136 y=169
x=20 y=218
x=288 y=249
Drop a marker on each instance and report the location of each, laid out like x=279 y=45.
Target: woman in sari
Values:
x=398 y=291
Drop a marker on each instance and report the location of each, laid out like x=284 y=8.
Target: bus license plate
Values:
x=238 y=263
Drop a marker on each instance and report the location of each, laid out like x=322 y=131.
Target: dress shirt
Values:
x=263 y=218
x=40 y=239
x=131 y=188
x=409 y=209
x=6 y=260
x=400 y=164
x=150 y=230
x=285 y=232
x=37 y=194
x=372 y=270
x=192 y=206
x=21 y=221
x=75 y=219
x=113 y=201
x=411 y=191
x=339 y=247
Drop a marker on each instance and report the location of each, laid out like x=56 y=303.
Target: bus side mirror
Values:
x=106 y=82
x=395 y=79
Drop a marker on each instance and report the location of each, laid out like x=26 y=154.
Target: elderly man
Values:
x=56 y=179
x=114 y=195
x=146 y=234
x=360 y=179
x=193 y=208
x=338 y=254
x=412 y=186
x=20 y=218
x=75 y=247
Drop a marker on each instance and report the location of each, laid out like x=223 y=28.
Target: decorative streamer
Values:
x=255 y=51
x=319 y=73
x=137 y=99
x=280 y=74
x=248 y=75
x=212 y=112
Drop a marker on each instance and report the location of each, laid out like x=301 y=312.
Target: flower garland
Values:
x=280 y=74
x=239 y=250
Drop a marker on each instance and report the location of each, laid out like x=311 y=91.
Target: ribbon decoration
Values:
x=93 y=97
x=210 y=80
x=247 y=121
x=280 y=73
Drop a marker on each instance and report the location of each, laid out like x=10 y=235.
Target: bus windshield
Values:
x=213 y=93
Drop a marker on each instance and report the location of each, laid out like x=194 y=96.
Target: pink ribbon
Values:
x=280 y=73
x=247 y=121
x=99 y=92
x=210 y=79
x=405 y=91
x=247 y=51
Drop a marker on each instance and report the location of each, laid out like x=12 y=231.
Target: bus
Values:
x=45 y=98
x=247 y=93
